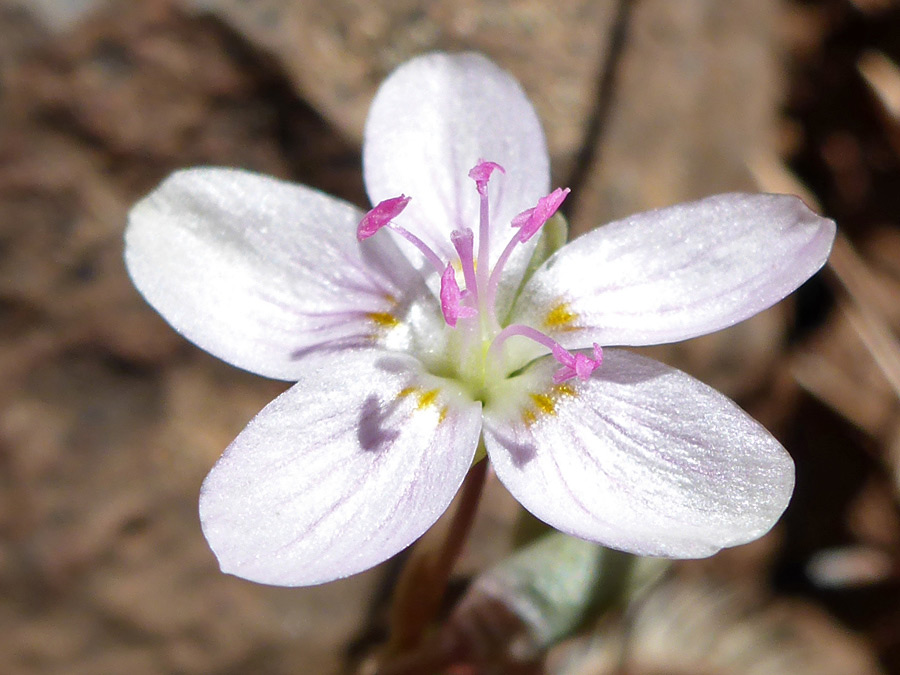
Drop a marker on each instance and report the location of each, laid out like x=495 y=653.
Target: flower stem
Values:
x=423 y=581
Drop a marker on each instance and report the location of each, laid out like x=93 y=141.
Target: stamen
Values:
x=533 y=219
x=383 y=215
x=525 y=331
x=529 y=222
x=481 y=173
x=451 y=299
x=573 y=365
x=482 y=281
x=430 y=255
x=463 y=243
x=576 y=364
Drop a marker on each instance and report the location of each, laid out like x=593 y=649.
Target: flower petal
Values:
x=678 y=272
x=641 y=457
x=340 y=472
x=431 y=122
x=257 y=271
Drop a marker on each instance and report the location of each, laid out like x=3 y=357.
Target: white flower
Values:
x=410 y=345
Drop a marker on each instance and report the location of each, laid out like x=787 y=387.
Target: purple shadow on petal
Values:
x=392 y=365
x=371 y=432
x=521 y=453
x=627 y=376
x=333 y=346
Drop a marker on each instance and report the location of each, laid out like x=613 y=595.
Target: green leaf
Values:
x=558 y=582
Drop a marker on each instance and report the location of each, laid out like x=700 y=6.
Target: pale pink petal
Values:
x=258 y=271
x=433 y=120
x=678 y=272
x=640 y=457
x=339 y=473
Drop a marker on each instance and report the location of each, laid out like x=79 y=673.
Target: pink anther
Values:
x=575 y=365
x=451 y=299
x=463 y=242
x=530 y=221
x=383 y=213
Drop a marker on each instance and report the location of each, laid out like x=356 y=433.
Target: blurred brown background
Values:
x=109 y=421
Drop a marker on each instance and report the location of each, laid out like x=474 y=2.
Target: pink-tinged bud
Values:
x=451 y=298
x=530 y=221
x=383 y=213
x=481 y=174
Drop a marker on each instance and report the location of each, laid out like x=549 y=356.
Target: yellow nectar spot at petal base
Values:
x=529 y=417
x=406 y=391
x=444 y=411
x=560 y=318
x=561 y=390
x=544 y=403
x=426 y=398
x=383 y=319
